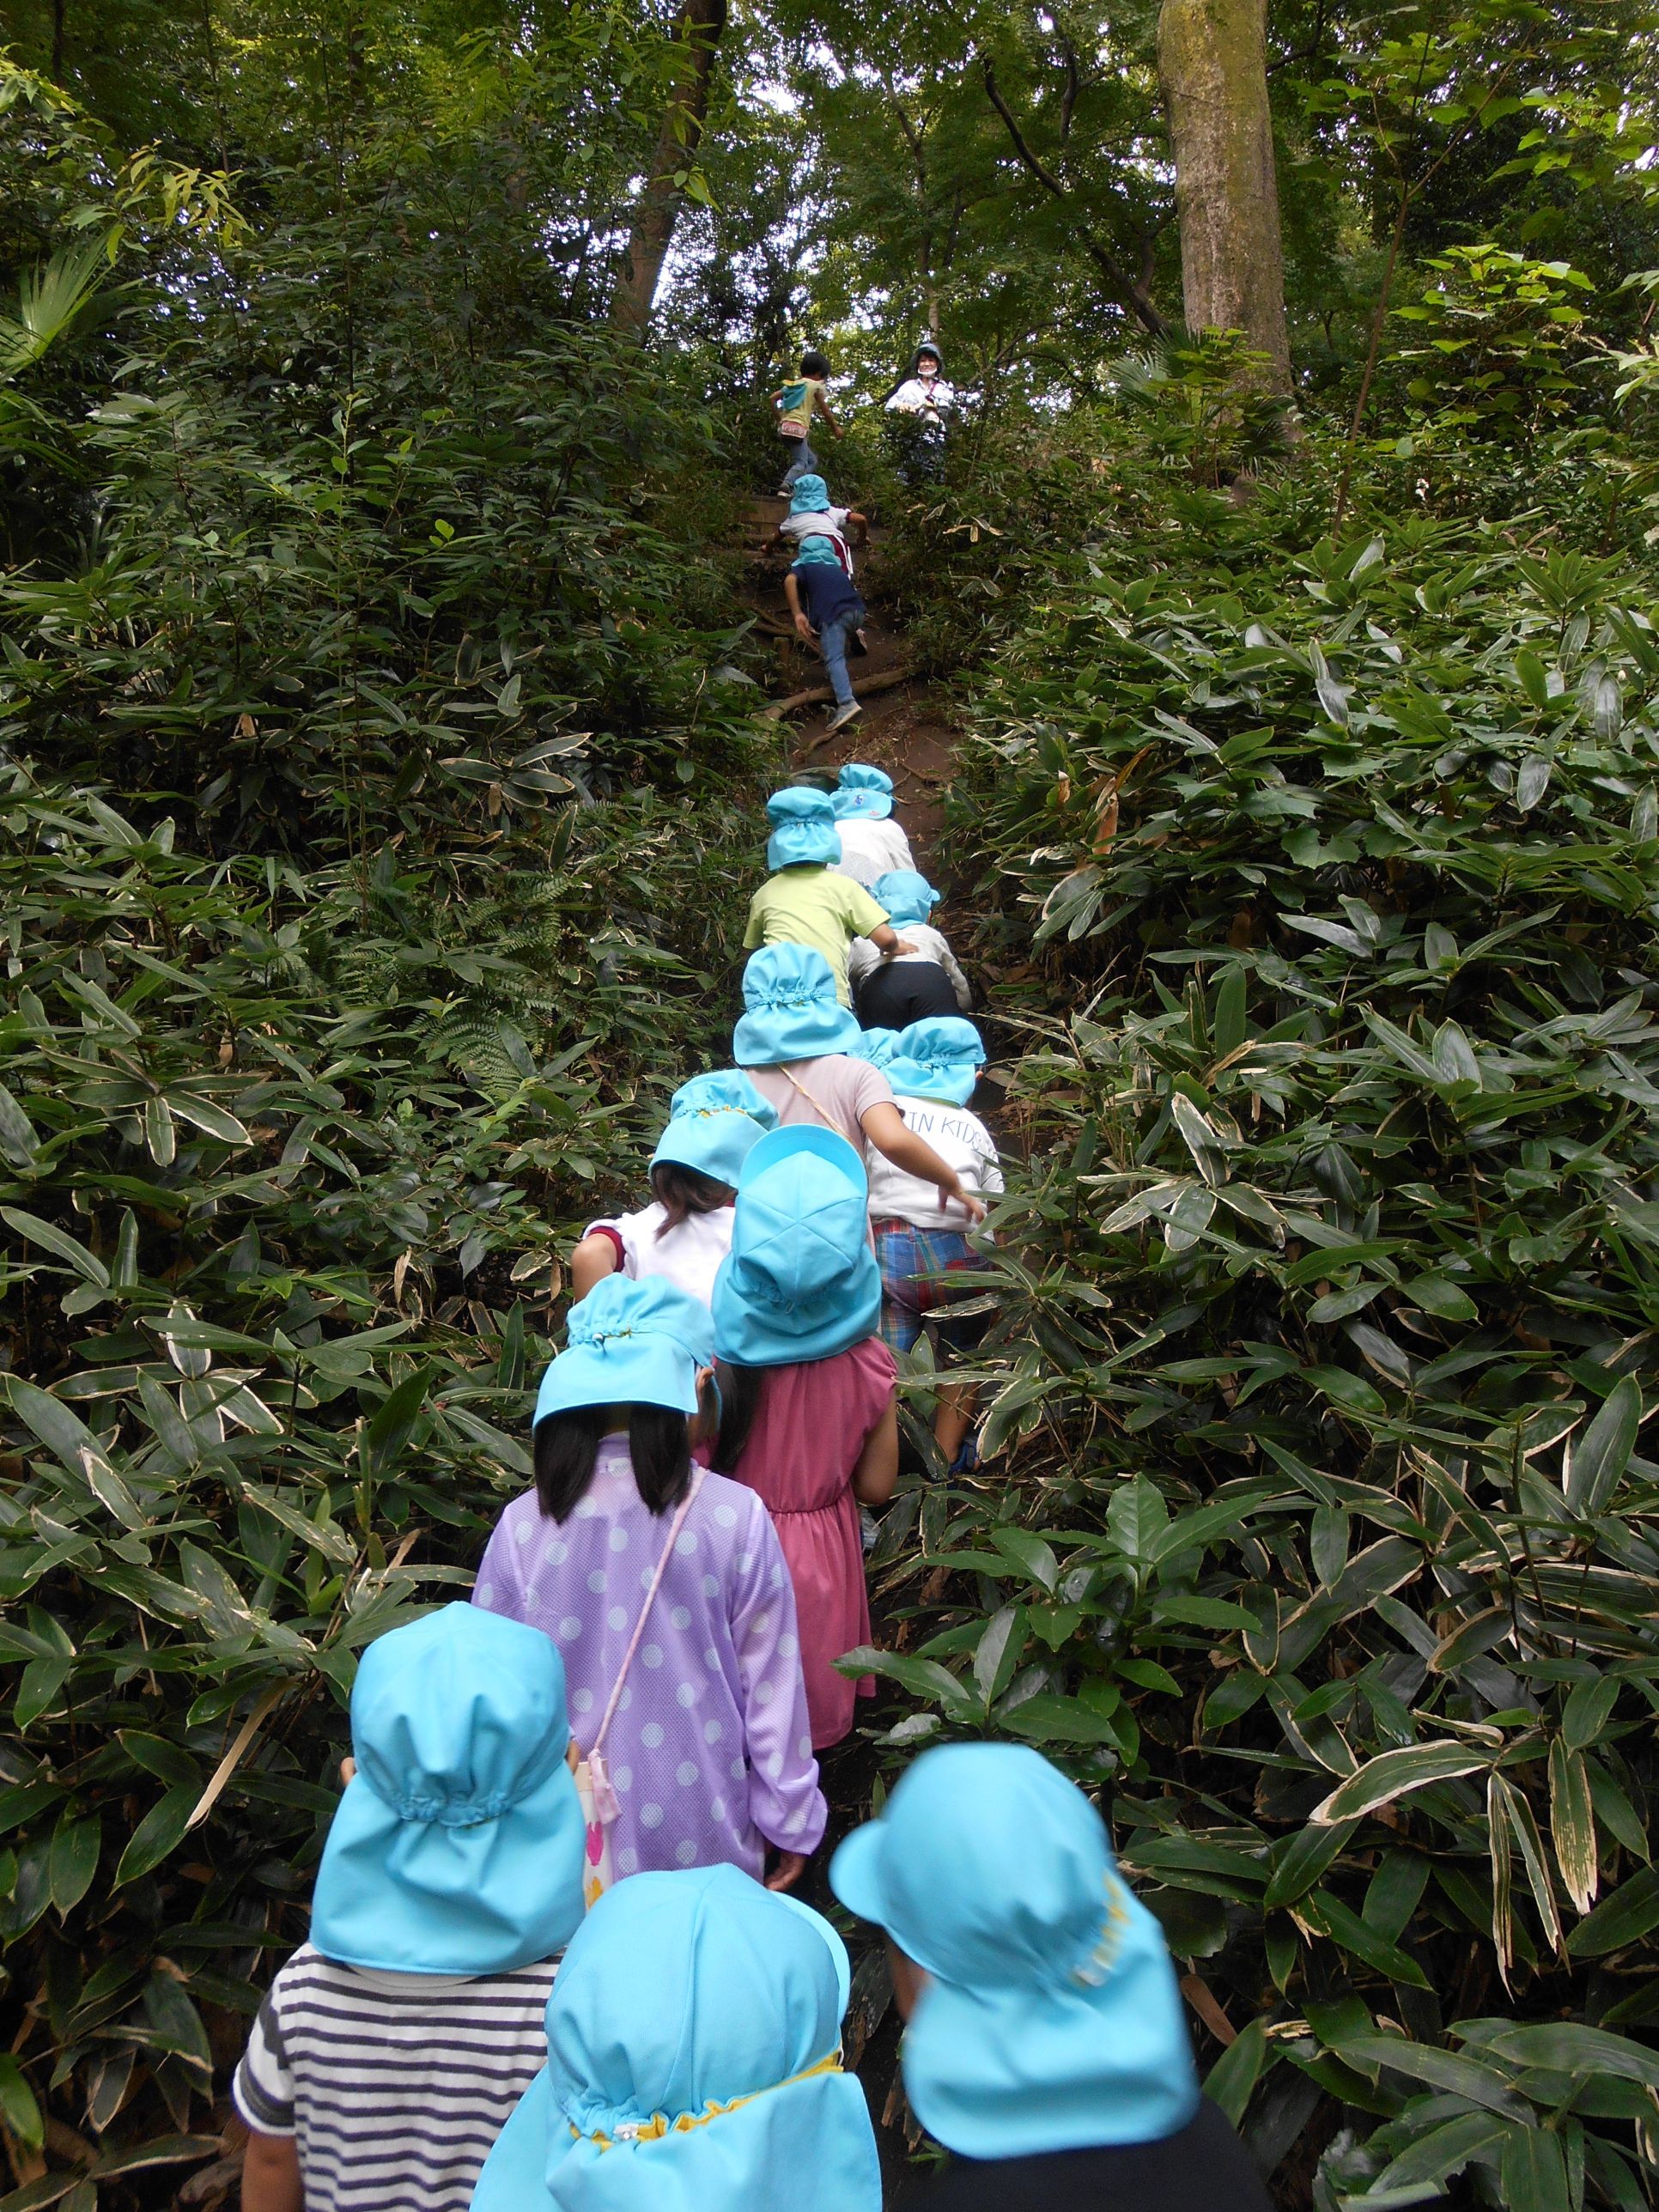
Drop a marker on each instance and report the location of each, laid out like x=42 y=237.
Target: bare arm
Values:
x=878 y=1468
x=593 y=1259
x=792 y=592
x=270 y=2175
x=824 y=410
x=859 y=523
x=887 y=941
x=888 y=1131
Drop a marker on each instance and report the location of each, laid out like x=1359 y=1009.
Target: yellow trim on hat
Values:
x=659 y=2126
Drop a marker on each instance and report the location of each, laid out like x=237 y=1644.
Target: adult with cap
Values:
x=809 y=1391
x=693 y=2063
x=922 y=1249
x=390 y=2049
x=807 y=900
x=871 y=841
x=665 y=1590
x=1045 y=2044
x=798 y=1044
x=919 y=406
x=686 y=1230
x=915 y=985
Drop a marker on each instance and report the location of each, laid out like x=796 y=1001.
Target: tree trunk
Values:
x=1213 y=58
x=696 y=42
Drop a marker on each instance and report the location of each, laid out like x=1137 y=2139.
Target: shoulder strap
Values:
x=675 y=1527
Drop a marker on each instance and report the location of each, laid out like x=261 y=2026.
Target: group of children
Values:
x=553 y=1958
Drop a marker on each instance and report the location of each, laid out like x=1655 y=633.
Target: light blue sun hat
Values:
x=863 y=790
x=877 y=1046
x=812 y=497
x=630 y=1343
x=802 y=828
x=939 y=1058
x=906 y=896
x=714 y=1122
x=1051 y=2020
x=792 y=1009
x=458 y=1846
x=800 y=1281
x=694 y=2050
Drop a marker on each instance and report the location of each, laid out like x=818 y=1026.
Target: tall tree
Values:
x=691 y=69
x=1213 y=58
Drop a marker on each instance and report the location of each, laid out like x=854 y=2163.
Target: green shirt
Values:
x=812 y=905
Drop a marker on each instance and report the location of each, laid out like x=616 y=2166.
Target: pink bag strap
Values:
x=675 y=1527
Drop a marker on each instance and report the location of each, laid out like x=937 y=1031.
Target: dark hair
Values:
x=568 y=1444
x=680 y=1190
x=814 y=363
x=741 y=1389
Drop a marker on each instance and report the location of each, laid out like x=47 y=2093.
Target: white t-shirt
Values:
x=688 y=1255
x=960 y=1138
x=869 y=848
x=914 y=397
x=826 y=522
x=862 y=957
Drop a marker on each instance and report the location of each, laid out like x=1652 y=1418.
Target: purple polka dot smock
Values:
x=711 y=1749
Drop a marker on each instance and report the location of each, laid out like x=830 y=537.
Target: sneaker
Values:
x=869 y=1529
x=967 y=1459
x=843 y=715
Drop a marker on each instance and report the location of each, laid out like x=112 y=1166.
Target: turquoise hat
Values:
x=630 y=1343
x=694 y=2063
x=1051 y=2020
x=803 y=828
x=939 y=1058
x=877 y=1046
x=792 y=1009
x=863 y=790
x=713 y=1121
x=458 y=1846
x=812 y=496
x=906 y=896
x=800 y=1281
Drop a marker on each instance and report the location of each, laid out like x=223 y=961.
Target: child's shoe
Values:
x=843 y=715
x=967 y=1459
x=859 y=647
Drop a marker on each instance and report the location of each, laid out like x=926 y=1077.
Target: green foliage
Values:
x=1497 y=336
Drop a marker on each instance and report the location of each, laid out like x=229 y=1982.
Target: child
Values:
x=798 y=1043
x=686 y=1232
x=1045 y=2045
x=871 y=842
x=806 y=901
x=708 y=1748
x=693 y=2064
x=826 y=609
x=796 y=404
x=911 y=986
x=822 y=533
x=810 y=1416
x=919 y=1245
x=393 y=2045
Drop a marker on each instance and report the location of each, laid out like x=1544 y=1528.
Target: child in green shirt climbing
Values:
x=803 y=901
x=796 y=404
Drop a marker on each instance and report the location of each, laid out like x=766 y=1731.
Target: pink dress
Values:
x=811 y=1426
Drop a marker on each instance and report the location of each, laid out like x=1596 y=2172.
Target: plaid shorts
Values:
x=916 y=1266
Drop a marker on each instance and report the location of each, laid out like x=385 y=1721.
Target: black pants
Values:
x=900 y=992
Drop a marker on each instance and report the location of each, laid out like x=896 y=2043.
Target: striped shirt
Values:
x=393 y=2087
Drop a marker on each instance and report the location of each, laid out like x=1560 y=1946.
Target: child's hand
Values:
x=840 y=434
x=804 y=628
x=953 y=1193
x=899 y=945
x=787 y=1872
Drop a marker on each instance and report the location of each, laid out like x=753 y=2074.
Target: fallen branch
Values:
x=821 y=692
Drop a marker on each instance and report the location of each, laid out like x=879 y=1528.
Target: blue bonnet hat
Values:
x=458 y=1846
x=1052 y=2020
x=864 y=790
x=812 y=497
x=906 y=896
x=630 y=1343
x=793 y=1009
x=713 y=1121
x=939 y=1058
x=800 y=1281
x=694 y=2063
x=803 y=828
x=877 y=1046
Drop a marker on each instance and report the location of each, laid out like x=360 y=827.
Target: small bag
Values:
x=593 y=1790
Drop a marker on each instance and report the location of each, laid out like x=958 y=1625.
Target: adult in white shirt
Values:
x=921 y=403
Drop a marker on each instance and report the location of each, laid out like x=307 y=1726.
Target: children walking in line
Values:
x=686 y=1230
x=828 y=611
x=707 y=1744
x=805 y=901
x=871 y=842
x=796 y=404
x=912 y=986
x=919 y=1244
x=392 y=2046
x=693 y=2064
x=797 y=1042
x=1045 y=2045
x=809 y=1417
